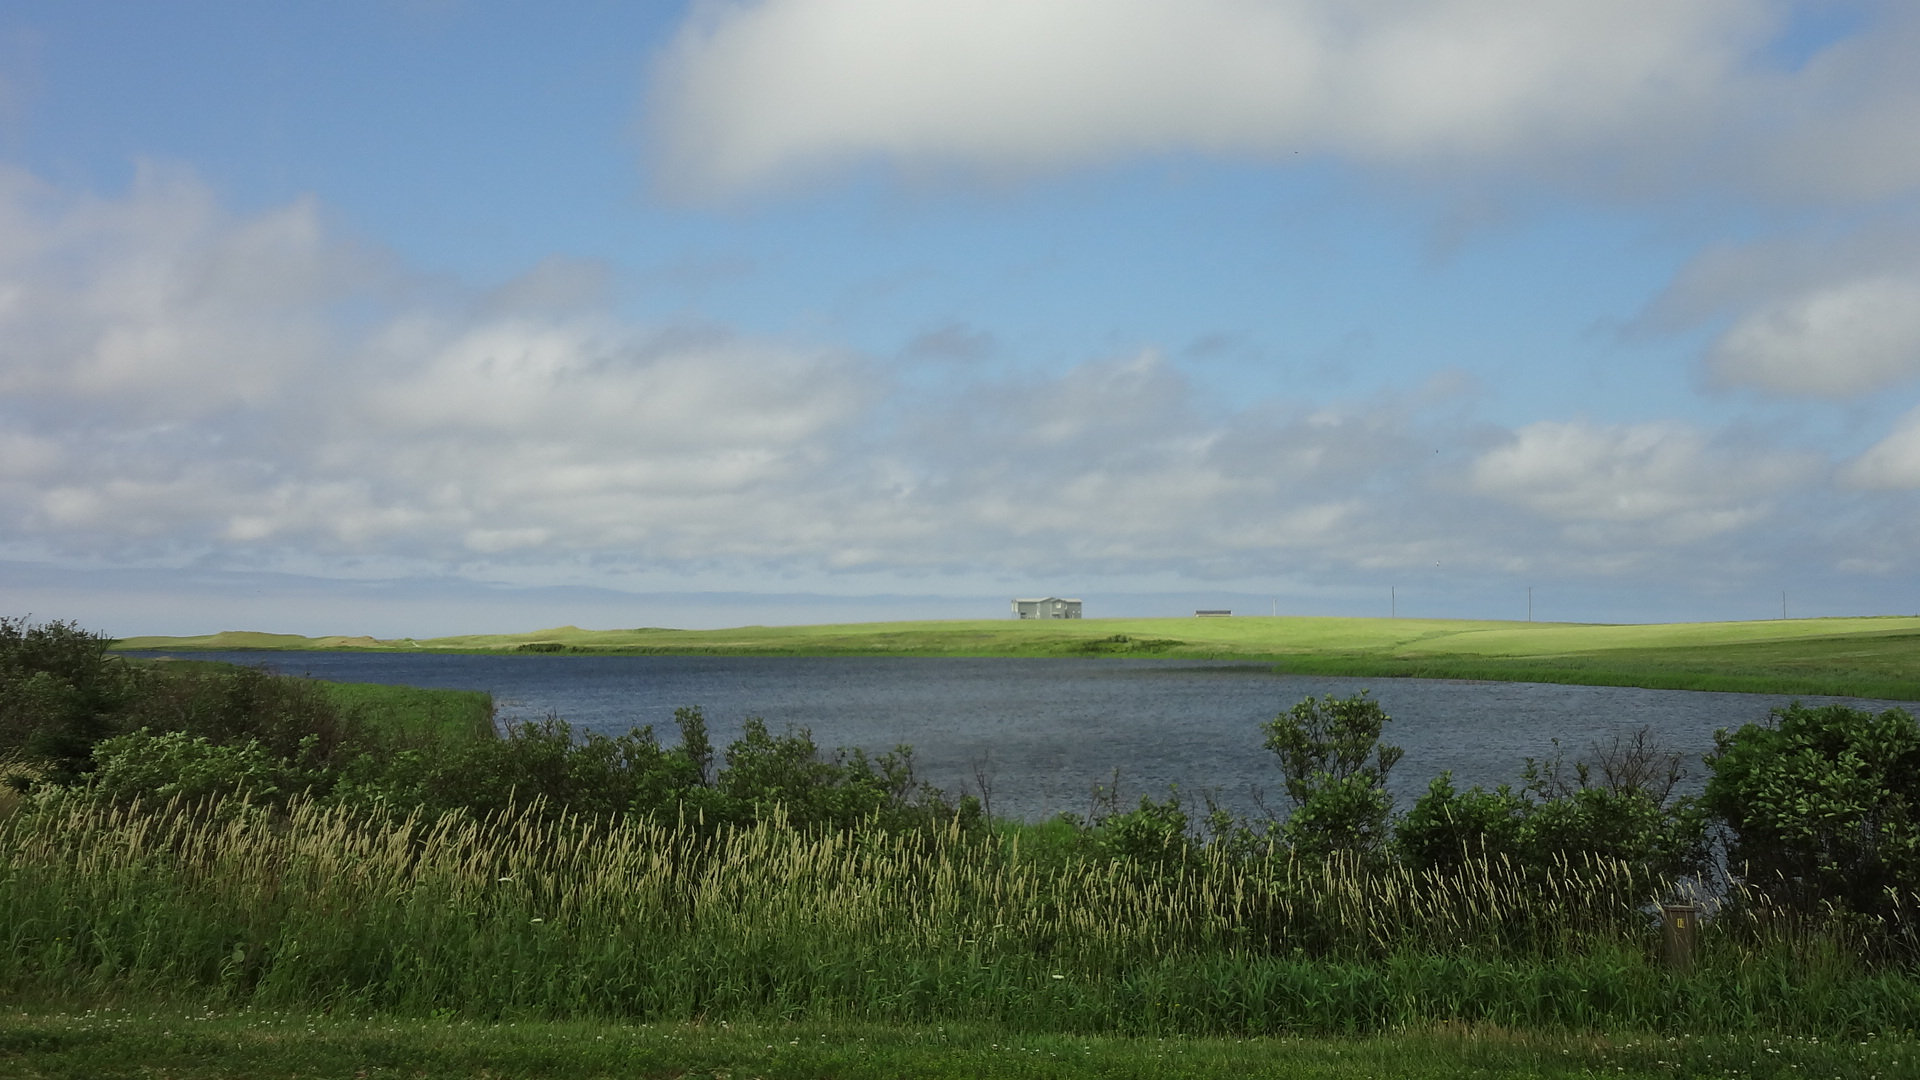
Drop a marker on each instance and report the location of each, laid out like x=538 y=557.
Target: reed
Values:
x=533 y=914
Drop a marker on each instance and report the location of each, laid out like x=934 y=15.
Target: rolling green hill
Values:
x=1863 y=657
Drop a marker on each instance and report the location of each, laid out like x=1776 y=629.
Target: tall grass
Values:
x=522 y=914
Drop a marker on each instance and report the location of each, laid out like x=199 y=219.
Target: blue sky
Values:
x=419 y=316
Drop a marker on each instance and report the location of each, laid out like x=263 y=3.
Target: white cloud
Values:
x=161 y=299
x=485 y=436
x=175 y=377
x=1665 y=481
x=1891 y=464
x=1806 y=316
x=1837 y=339
x=751 y=93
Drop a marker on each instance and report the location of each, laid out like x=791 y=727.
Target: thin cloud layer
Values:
x=183 y=384
x=1612 y=95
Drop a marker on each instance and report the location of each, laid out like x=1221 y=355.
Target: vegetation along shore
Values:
x=216 y=871
x=1847 y=657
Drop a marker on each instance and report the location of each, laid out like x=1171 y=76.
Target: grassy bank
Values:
x=447 y=716
x=147 y=1039
x=527 y=916
x=1858 y=657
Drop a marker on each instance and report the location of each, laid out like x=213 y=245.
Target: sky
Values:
x=416 y=317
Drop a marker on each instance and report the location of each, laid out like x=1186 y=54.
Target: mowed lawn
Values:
x=1877 y=657
x=186 y=1043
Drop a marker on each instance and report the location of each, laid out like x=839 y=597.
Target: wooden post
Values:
x=1681 y=923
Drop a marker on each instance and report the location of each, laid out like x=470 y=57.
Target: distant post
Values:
x=1681 y=935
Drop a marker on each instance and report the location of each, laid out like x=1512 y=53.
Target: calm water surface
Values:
x=1045 y=730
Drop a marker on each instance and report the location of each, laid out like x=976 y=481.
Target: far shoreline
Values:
x=1873 y=657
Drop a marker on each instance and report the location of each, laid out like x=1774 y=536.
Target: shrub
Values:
x=59 y=694
x=1618 y=806
x=562 y=770
x=156 y=768
x=842 y=789
x=1820 y=805
x=1336 y=770
x=544 y=762
x=289 y=717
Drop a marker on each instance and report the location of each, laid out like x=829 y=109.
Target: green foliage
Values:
x=158 y=768
x=1822 y=805
x=1446 y=829
x=1335 y=768
x=1153 y=835
x=550 y=765
x=62 y=694
x=1618 y=806
x=291 y=718
x=59 y=694
x=765 y=770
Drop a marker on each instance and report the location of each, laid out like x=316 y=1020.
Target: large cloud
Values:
x=184 y=384
x=179 y=379
x=1811 y=316
x=1592 y=92
x=1833 y=339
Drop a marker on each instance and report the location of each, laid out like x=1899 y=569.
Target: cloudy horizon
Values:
x=446 y=313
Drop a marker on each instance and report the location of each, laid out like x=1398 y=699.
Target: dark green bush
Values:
x=542 y=761
x=290 y=717
x=568 y=771
x=1822 y=805
x=59 y=694
x=1619 y=805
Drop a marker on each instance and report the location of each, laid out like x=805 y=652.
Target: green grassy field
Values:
x=1861 y=657
x=151 y=1040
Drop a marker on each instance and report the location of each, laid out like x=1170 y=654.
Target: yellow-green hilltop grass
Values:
x=1877 y=657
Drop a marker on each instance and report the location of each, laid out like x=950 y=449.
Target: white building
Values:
x=1046 y=607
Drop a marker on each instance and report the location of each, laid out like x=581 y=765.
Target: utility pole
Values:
x=1393 y=601
x=1529 y=603
x=1783 y=603
x=1276 y=607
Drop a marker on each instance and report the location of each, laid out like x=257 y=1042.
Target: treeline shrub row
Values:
x=1815 y=810
x=77 y=722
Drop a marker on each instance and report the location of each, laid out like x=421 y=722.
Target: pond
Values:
x=1041 y=732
